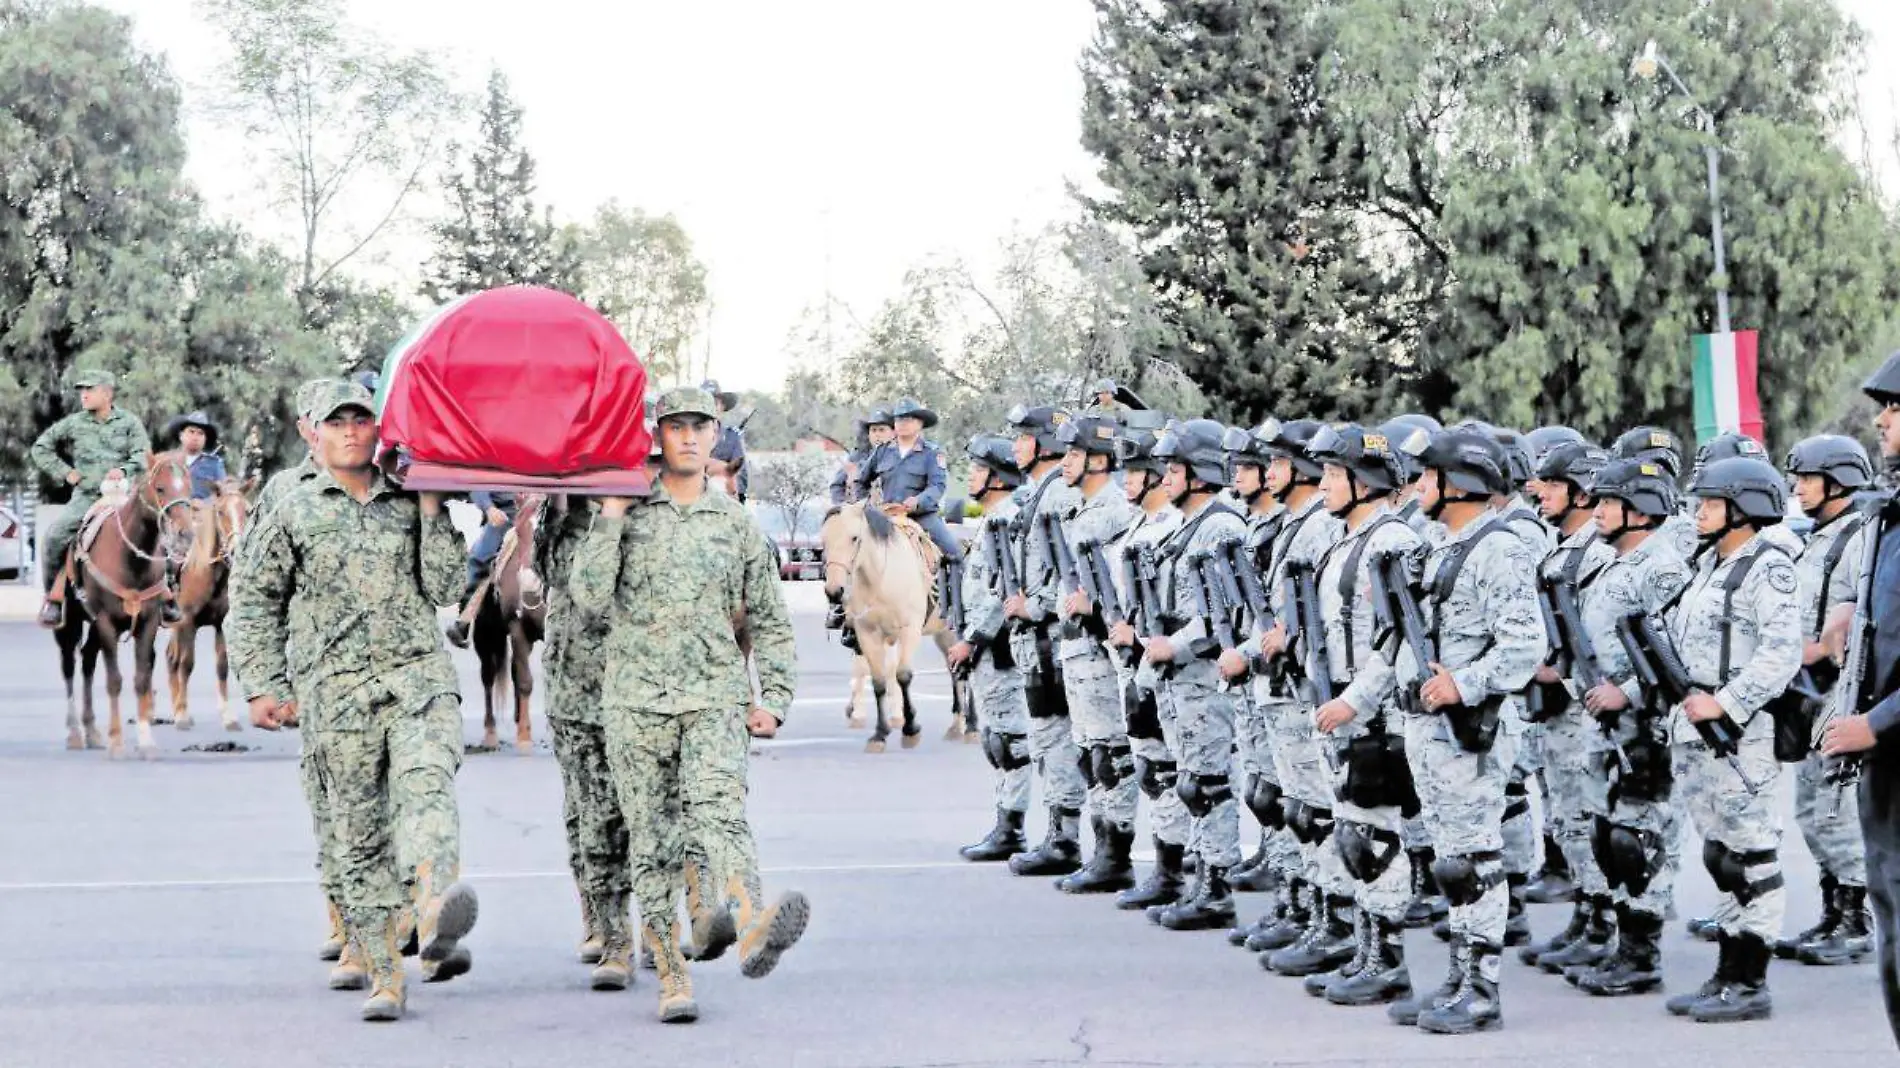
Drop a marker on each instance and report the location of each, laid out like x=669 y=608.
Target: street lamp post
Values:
x=1646 y=66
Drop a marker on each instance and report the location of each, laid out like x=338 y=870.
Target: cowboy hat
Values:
x=909 y=408
x=198 y=419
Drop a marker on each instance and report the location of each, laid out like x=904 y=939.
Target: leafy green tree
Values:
x=641 y=272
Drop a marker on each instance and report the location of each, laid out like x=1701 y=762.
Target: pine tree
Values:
x=495 y=236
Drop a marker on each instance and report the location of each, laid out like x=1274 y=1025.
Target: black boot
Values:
x=1746 y=995
x=1852 y=937
x=1579 y=919
x=1188 y=892
x=1790 y=948
x=1517 y=927
x=1317 y=983
x=1596 y=945
x=1004 y=841
x=1406 y=1011
x=1256 y=874
x=1210 y=909
x=1384 y=978
x=1724 y=975
x=1327 y=944
x=1291 y=923
x=1110 y=869
x=1553 y=885
x=1095 y=858
x=1060 y=853
x=1441 y=927
x=1424 y=888
x=1163 y=884
x=1239 y=935
x=1475 y=1007
x=1637 y=966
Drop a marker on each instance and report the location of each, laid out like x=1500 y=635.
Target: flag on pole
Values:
x=1725 y=397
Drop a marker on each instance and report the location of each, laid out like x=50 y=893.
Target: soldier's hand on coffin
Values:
x=1160 y=651
x=266 y=714
x=431 y=502
x=1333 y=715
x=1122 y=634
x=72 y=478
x=1016 y=606
x=1273 y=642
x=760 y=723
x=615 y=507
x=1547 y=674
x=1440 y=690
x=1606 y=697
x=1701 y=708
x=1232 y=665
x=958 y=653
x=497 y=517
x=1078 y=604
x=1847 y=734
x=287 y=714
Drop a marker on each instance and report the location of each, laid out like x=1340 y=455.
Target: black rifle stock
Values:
x=1565 y=618
x=1314 y=661
x=1661 y=672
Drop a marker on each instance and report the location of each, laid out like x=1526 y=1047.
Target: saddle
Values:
x=93 y=520
x=928 y=552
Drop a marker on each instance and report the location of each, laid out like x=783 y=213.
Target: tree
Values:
x=495 y=236
x=346 y=125
x=640 y=272
x=362 y=322
x=787 y=482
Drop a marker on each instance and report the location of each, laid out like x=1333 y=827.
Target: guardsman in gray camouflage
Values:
x=908 y=474
x=1204 y=713
x=1098 y=724
x=82 y=450
x=1562 y=484
x=1317 y=894
x=1738 y=630
x=1032 y=642
x=1107 y=400
x=1827 y=470
x=1361 y=727
x=670 y=574
x=1634 y=820
x=1153 y=734
x=1277 y=860
x=335 y=603
x=1653 y=444
x=983 y=650
x=1480 y=604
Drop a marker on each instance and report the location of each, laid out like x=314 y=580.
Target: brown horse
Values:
x=512 y=618
x=204 y=597
x=118 y=578
x=878 y=573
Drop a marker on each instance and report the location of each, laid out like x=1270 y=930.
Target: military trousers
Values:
x=1880 y=830
x=1657 y=824
x=1002 y=710
x=1523 y=830
x=590 y=809
x=61 y=531
x=1204 y=718
x=1461 y=798
x=1254 y=761
x=1567 y=774
x=1306 y=776
x=1724 y=812
x=1829 y=819
x=1168 y=817
x=313 y=795
x=1096 y=721
x=940 y=535
x=681 y=778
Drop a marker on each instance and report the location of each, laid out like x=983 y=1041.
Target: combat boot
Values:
x=1724 y=975
x=1111 y=869
x=1256 y=875
x=1275 y=910
x=1554 y=885
x=375 y=931
x=1004 y=841
x=1517 y=925
x=1188 y=893
x=442 y=922
x=676 y=987
x=1327 y=944
x=1851 y=939
x=1579 y=919
x=614 y=970
x=590 y=947
x=1406 y=1011
x=1790 y=948
x=1637 y=966
x=1745 y=997
x=1210 y=909
x=1384 y=977
x=1163 y=885
x=1426 y=904
x=767 y=931
x=1441 y=927
x=1292 y=921
x=1476 y=1006
x=1317 y=983
x=713 y=928
x=332 y=948
x=1059 y=853
x=352 y=969
x=1596 y=945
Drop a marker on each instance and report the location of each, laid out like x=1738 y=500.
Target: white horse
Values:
x=880 y=576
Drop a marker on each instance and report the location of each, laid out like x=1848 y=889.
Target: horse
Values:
x=512 y=618
x=118 y=572
x=963 y=725
x=881 y=579
x=204 y=597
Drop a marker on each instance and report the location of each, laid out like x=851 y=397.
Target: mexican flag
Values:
x=1725 y=397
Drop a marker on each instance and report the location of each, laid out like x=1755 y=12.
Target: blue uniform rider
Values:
x=908 y=473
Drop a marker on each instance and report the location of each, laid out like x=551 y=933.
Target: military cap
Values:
x=335 y=395
x=685 y=400
x=91 y=377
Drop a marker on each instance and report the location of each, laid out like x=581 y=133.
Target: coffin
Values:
x=520 y=388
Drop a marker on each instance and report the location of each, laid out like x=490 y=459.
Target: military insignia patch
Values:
x=1660 y=440
x=1781 y=577
x=1377 y=443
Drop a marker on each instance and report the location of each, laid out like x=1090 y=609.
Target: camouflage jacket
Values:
x=1213 y=524
x=1150 y=530
x=575 y=652
x=982 y=596
x=1346 y=607
x=672 y=581
x=1763 y=625
x=1644 y=579
x=1032 y=560
x=333 y=595
x=1822 y=587
x=1099 y=518
x=84 y=443
x=1490 y=636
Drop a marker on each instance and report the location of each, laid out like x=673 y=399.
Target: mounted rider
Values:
x=196 y=437
x=874 y=429
x=97 y=445
x=498 y=517
x=728 y=453
x=908 y=472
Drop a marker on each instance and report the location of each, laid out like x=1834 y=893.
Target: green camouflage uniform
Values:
x=334 y=603
x=92 y=446
x=670 y=580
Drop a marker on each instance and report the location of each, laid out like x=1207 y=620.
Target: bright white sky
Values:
x=810 y=146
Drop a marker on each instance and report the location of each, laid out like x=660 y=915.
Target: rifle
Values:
x=1540 y=703
x=1473 y=727
x=1056 y=547
x=1006 y=581
x=1241 y=580
x=1661 y=672
x=1099 y=586
x=1841 y=772
x=1314 y=662
x=950 y=596
x=1564 y=620
x=1147 y=581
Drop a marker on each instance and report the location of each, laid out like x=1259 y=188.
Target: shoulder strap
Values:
x=1347 y=574
x=1832 y=559
x=1455 y=558
x=1732 y=582
x=1185 y=532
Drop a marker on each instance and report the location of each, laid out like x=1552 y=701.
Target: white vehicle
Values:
x=12 y=545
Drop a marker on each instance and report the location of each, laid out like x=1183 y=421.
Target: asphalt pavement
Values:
x=166 y=913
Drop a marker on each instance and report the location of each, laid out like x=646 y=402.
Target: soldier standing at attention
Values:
x=95 y=444
x=335 y=603
x=670 y=573
x=1738 y=630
